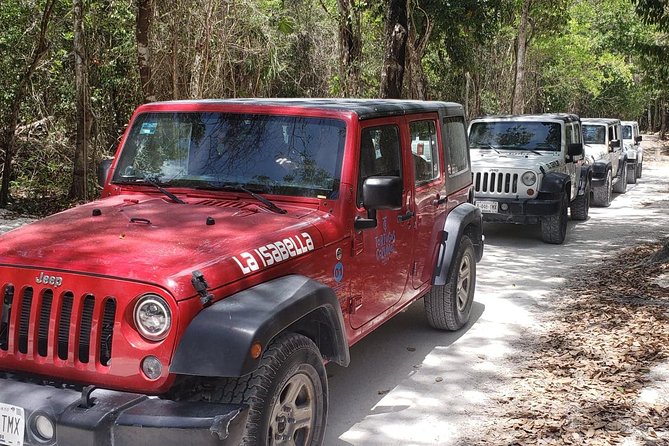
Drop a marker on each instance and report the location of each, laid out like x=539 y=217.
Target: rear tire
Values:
x=287 y=394
x=580 y=207
x=621 y=186
x=554 y=227
x=602 y=194
x=631 y=173
x=448 y=307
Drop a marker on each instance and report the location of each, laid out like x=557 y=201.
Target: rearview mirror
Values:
x=379 y=193
x=575 y=149
x=103 y=170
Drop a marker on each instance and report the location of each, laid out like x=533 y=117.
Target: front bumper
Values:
x=526 y=211
x=120 y=418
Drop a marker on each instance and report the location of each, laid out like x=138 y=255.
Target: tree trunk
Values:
x=415 y=77
x=11 y=119
x=664 y=117
x=518 y=99
x=350 y=48
x=394 y=59
x=79 y=186
x=144 y=16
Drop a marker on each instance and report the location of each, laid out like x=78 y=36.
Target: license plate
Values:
x=12 y=425
x=487 y=206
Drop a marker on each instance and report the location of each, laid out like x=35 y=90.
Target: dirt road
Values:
x=410 y=385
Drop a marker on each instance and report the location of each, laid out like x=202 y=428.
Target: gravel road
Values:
x=410 y=385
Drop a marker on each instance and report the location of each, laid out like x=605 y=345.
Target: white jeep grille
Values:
x=496 y=182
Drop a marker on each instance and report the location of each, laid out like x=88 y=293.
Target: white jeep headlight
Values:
x=529 y=178
x=152 y=316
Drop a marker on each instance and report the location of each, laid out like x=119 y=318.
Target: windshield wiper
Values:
x=487 y=146
x=154 y=183
x=241 y=188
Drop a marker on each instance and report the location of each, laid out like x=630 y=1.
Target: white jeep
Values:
x=529 y=169
x=631 y=143
x=604 y=152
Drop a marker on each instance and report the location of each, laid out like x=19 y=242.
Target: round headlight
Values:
x=529 y=178
x=152 y=317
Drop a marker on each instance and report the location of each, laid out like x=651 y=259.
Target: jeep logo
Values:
x=49 y=280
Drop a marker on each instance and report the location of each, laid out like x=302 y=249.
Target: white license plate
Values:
x=12 y=425
x=487 y=206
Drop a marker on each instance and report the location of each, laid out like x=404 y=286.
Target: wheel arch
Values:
x=217 y=342
x=464 y=219
x=554 y=184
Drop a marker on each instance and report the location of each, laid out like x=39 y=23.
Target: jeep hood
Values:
x=509 y=159
x=594 y=152
x=153 y=240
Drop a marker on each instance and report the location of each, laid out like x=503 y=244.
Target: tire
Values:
x=580 y=207
x=287 y=395
x=631 y=173
x=601 y=195
x=639 y=170
x=448 y=307
x=621 y=186
x=554 y=227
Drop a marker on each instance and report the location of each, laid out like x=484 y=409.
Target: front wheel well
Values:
x=317 y=326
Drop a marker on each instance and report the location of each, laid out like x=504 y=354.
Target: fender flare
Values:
x=599 y=169
x=218 y=340
x=465 y=217
x=586 y=177
x=622 y=164
x=554 y=183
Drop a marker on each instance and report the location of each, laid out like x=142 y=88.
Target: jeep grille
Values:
x=496 y=182
x=50 y=324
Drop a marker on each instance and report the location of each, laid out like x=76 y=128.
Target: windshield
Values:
x=627 y=132
x=516 y=135
x=594 y=134
x=285 y=155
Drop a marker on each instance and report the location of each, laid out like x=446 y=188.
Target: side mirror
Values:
x=638 y=138
x=575 y=149
x=379 y=193
x=103 y=170
x=614 y=144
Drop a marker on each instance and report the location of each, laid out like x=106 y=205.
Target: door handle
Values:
x=439 y=200
x=406 y=216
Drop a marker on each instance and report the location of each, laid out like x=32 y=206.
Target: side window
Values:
x=424 y=151
x=456 y=145
x=612 y=134
x=569 y=133
x=379 y=154
x=577 y=133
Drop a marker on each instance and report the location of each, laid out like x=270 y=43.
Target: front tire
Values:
x=287 y=395
x=621 y=186
x=580 y=207
x=631 y=173
x=448 y=307
x=639 y=169
x=602 y=194
x=554 y=227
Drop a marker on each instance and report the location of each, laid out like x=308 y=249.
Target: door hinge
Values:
x=355 y=302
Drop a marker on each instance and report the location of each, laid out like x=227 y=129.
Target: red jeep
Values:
x=238 y=246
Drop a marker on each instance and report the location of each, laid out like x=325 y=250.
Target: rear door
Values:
x=430 y=194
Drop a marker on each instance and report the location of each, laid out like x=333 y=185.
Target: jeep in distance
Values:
x=632 y=146
x=238 y=246
x=604 y=152
x=529 y=169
